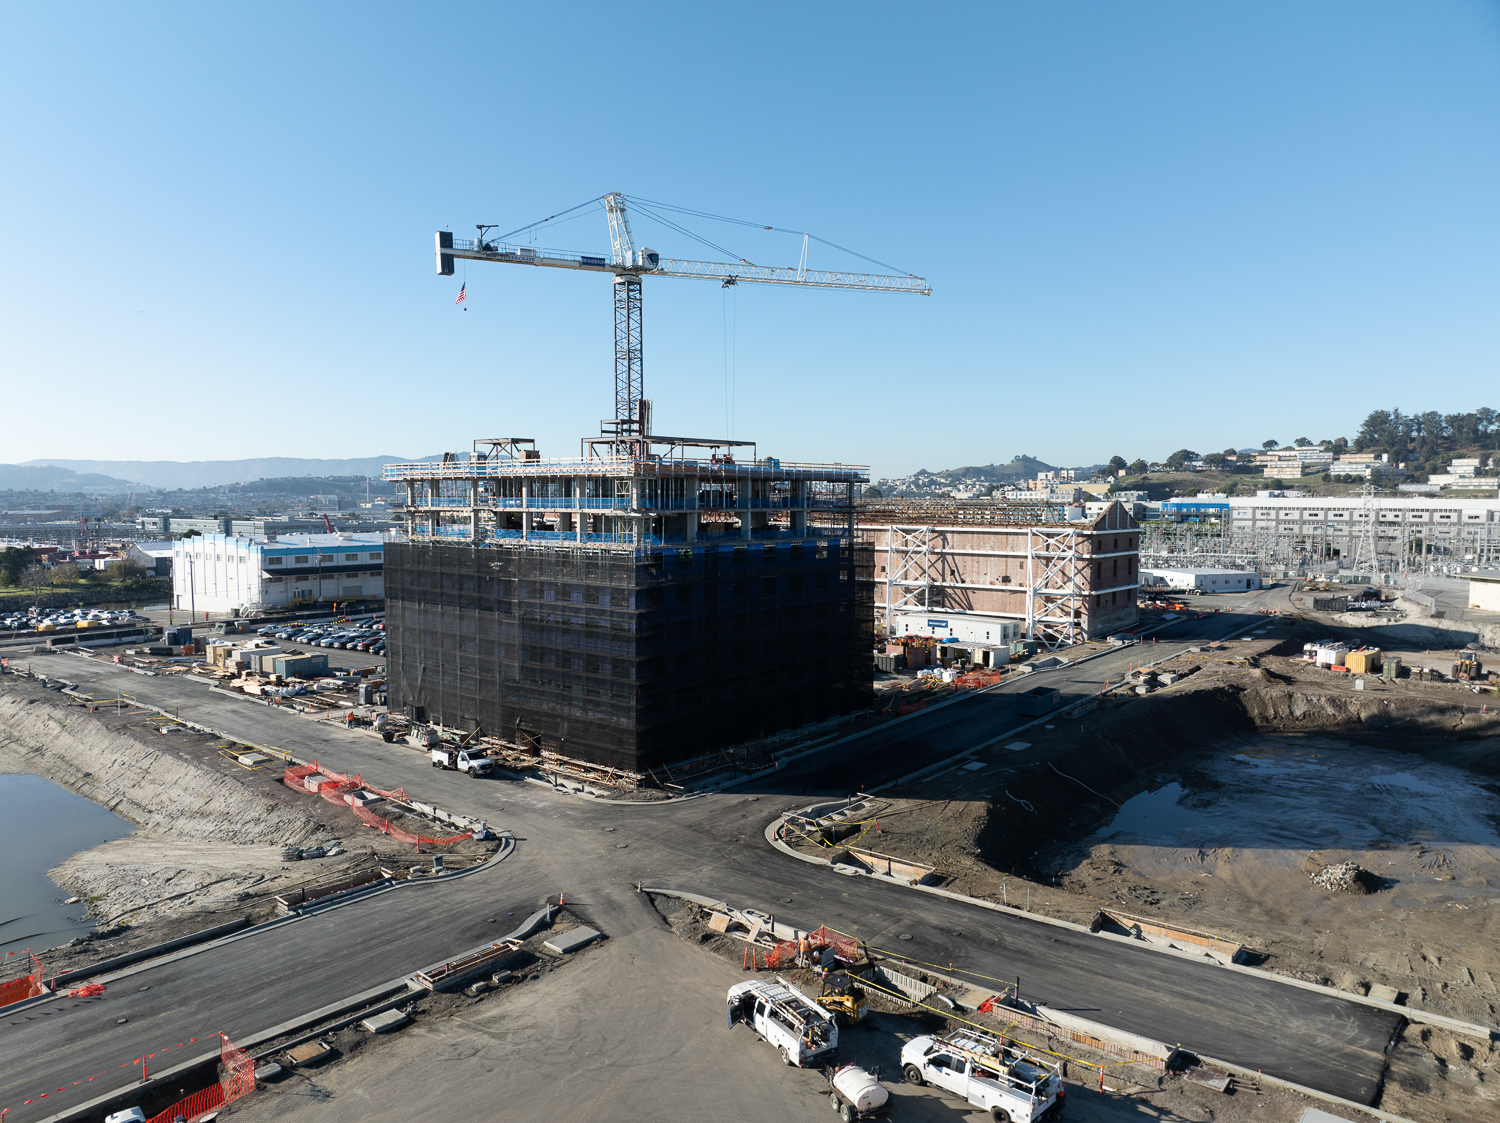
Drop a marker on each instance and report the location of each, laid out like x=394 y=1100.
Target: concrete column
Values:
x=799 y=507
x=580 y=521
x=526 y=507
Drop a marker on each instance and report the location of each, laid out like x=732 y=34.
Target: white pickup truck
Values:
x=475 y=763
x=801 y=1030
x=1013 y=1086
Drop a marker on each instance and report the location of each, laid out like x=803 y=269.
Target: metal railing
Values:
x=625 y=467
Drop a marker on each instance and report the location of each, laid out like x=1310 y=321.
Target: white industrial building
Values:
x=960 y=627
x=1204 y=580
x=222 y=573
x=1433 y=510
x=1484 y=591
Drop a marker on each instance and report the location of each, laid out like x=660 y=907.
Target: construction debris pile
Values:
x=1343 y=877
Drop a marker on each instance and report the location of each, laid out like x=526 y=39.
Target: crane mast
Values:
x=631 y=424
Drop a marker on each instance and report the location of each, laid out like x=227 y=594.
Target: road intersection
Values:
x=598 y=851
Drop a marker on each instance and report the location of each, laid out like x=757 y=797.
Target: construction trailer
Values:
x=653 y=601
x=985 y=570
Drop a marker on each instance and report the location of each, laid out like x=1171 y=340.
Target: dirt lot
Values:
x=1213 y=803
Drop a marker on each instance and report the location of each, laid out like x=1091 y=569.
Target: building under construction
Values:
x=655 y=600
x=651 y=601
x=990 y=571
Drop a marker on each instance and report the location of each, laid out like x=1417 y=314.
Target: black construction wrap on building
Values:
x=630 y=660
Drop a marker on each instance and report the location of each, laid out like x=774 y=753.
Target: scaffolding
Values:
x=625 y=660
x=1056 y=593
x=1054 y=582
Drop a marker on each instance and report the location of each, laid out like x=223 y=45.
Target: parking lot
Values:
x=47 y=621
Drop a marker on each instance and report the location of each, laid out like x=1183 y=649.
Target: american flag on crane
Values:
x=462 y=296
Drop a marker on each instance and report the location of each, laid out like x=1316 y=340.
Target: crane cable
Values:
x=643 y=206
x=762 y=226
x=549 y=218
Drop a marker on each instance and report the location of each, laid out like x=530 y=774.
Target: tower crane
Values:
x=628 y=264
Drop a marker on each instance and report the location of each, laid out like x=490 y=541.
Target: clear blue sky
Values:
x=1147 y=225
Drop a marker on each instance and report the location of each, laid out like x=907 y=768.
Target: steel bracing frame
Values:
x=908 y=569
x=1056 y=597
x=1056 y=591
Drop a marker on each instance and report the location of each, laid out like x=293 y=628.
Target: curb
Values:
x=1302 y=1089
x=1410 y=1013
x=105 y=966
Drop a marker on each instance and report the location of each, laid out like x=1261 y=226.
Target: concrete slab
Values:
x=1017 y=746
x=385 y=1021
x=309 y=1054
x=1385 y=994
x=571 y=940
x=252 y=760
x=1318 y=1115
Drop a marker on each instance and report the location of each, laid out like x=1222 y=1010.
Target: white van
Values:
x=802 y=1031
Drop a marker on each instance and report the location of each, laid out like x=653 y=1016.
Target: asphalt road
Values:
x=712 y=845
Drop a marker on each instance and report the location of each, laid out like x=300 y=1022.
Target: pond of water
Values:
x=1312 y=794
x=41 y=825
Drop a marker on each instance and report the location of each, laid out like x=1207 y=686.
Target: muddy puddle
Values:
x=1303 y=793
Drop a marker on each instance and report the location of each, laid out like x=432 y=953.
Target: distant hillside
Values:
x=22 y=477
x=970 y=480
x=210 y=473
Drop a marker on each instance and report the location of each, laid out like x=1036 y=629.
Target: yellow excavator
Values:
x=843 y=998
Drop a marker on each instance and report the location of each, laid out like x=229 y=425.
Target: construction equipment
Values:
x=328 y=526
x=843 y=998
x=1467 y=667
x=628 y=263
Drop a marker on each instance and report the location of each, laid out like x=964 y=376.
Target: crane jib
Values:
x=629 y=263
x=450 y=248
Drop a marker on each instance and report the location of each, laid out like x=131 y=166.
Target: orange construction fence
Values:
x=385 y=826
x=344 y=784
x=236 y=1081
x=27 y=986
x=294 y=776
x=844 y=947
x=784 y=954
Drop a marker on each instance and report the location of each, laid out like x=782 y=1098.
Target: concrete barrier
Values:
x=914 y=989
x=1169 y=935
x=913 y=873
x=295 y=898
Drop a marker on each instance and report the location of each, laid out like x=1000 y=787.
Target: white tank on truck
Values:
x=856 y=1093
